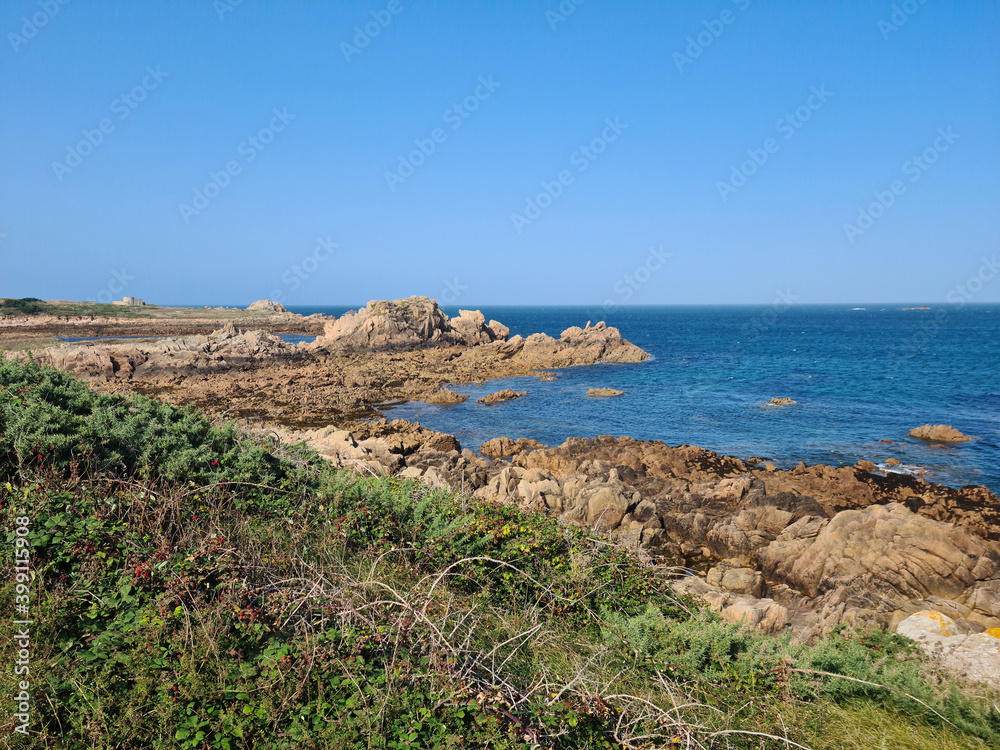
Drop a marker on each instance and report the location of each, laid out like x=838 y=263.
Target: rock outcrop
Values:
x=504 y=447
x=407 y=324
x=267 y=305
x=783 y=401
x=939 y=433
x=445 y=396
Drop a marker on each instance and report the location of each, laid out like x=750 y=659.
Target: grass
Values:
x=198 y=587
x=31 y=306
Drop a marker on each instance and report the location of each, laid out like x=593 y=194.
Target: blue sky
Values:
x=506 y=153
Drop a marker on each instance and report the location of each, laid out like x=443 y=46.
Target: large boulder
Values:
x=884 y=555
x=939 y=433
x=971 y=656
x=266 y=305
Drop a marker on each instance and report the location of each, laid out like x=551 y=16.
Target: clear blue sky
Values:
x=206 y=78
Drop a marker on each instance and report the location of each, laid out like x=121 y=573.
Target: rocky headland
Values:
x=804 y=549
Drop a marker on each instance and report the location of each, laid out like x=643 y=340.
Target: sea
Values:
x=860 y=375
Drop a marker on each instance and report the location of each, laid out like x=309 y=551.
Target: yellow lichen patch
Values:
x=944 y=622
x=995 y=632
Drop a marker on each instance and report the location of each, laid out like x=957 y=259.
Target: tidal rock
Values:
x=939 y=433
x=604 y=392
x=783 y=401
x=445 y=396
x=505 y=395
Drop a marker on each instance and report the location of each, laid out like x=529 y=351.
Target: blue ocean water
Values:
x=858 y=375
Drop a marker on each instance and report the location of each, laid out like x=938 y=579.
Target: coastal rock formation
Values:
x=407 y=324
x=418 y=353
x=222 y=350
x=604 y=392
x=504 y=447
x=506 y=394
x=969 y=653
x=830 y=545
x=268 y=306
x=939 y=433
x=445 y=396
x=783 y=401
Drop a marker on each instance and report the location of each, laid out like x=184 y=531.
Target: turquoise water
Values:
x=858 y=375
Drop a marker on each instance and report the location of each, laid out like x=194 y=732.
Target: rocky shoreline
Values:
x=805 y=549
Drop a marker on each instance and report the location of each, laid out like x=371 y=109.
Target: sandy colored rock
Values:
x=783 y=401
x=268 y=306
x=604 y=392
x=939 y=433
x=893 y=462
x=505 y=395
x=866 y=465
x=504 y=447
x=974 y=657
x=445 y=396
